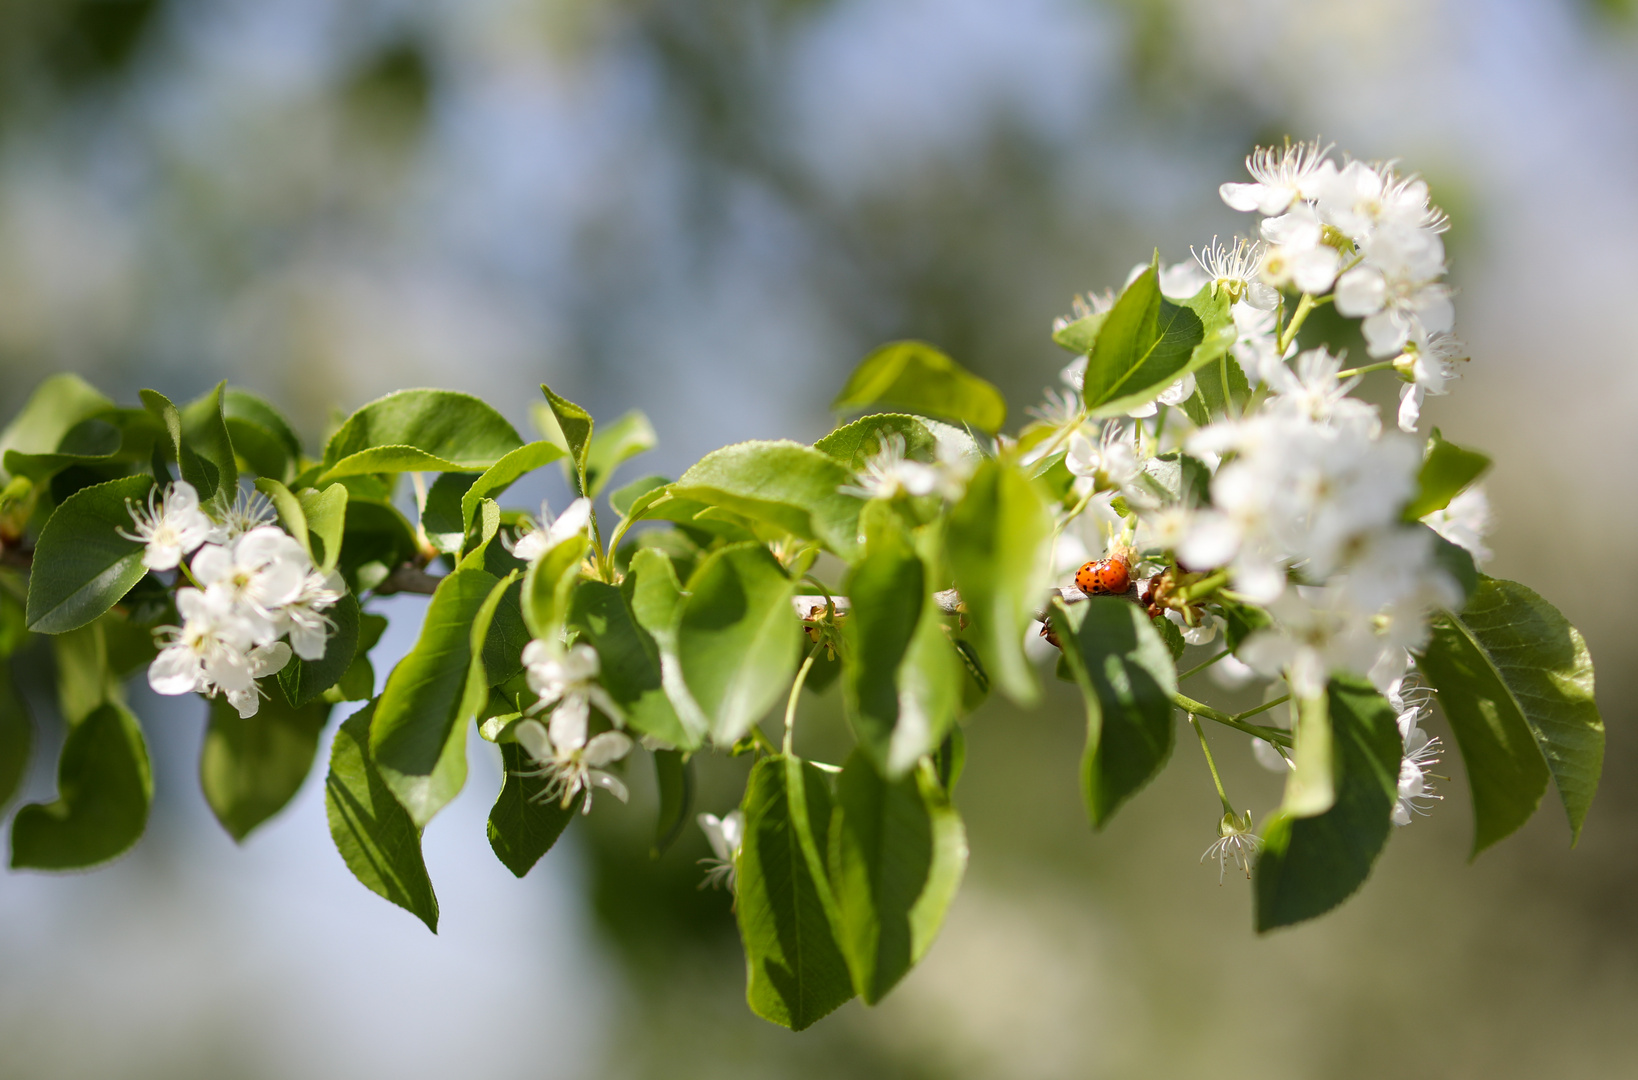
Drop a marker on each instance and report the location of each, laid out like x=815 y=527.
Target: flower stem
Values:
x=1365 y=369
x=1298 y=317
x=1203 y=586
x=182 y=566
x=1228 y=807
x=1200 y=708
x=796 y=690
x=1198 y=668
x=1264 y=707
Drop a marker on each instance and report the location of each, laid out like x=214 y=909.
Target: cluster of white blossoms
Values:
x=1370 y=234
x=564 y=679
x=889 y=472
x=1304 y=494
x=253 y=585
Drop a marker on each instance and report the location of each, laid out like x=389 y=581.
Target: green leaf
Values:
x=795 y=972
x=204 y=431
x=84 y=678
x=378 y=841
x=786 y=484
x=1147 y=342
x=1310 y=865
x=418 y=739
x=1446 y=472
x=897 y=853
x=738 y=639
x=1079 y=335
x=525 y=822
x=304 y=681
x=999 y=543
x=103 y=791
x=250 y=768
x=853 y=444
x=674 y=775
x=1240 y=621
x=326 y=514
x=261 y=436
x=655 y=598
x=1310 y=787
x=441 y=516
x=503 y=474
x=1515 y=681
x=288 y=507
x=1126 y=677
x=1178 y=478
x=431 y=430
x=1456 y=561
x=548 y=588
x=1221 y=388
x=615 y=444
x=630 y=660
x=570 y=427
x=16 y=736
x=195 y=469
x=375 y=533
x=916 y=377
x=107 y=439
x=57 y=405
x=901 y=675
x=82 y=565
x=358 y=681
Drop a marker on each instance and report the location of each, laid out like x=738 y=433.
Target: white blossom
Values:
x=1297 y=254
x=1396 y=289
x=568 y=676
x=538 y=540
x=1236 y=271
x=1360 y=198
x=250 y=510
x=888 y=473
x=170 y=526
x=1175 y=394
x=1420 y=752
x=1315 y=632
x=303 y=618
x=567 y=761
x=1235 y=843
x=1465 y=522
x=1282 y=176
x=255 y=576
x=726 y=835
x=1111 y=463
x=1428 y=367
x=1310 y=388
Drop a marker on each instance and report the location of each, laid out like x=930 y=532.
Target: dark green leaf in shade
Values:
x=951 y=760
x=16 y=736
x=655 y=598
x=417 y=740
x=103 y=791
x=503 y=474
x=1446 y=472
x=1310 y=865
x=376 y=541
x=205 y=433
x=1171 y=635
x=261 y=436
x=630 y=658
x=793 y=487
x=508 y=635
x=570 y=427
x=1127 y=679
x=304 y=681
x=524 y=823
x=430 y=430
x=82 y=565
x=915 y=377
x=674 y=774
x=613 y=445
x=84 y=678
x=897 y=853
x=251 y=767
x=1147 y=342
x=358 y=681
x=999 y=544
x=1241 y=620
x=1515 y=681
x=795 y=972
x=853 y=444
x=738 y=639
x=1456 y=561
x=374 y=834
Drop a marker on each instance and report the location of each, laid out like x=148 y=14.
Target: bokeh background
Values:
x=709 y=210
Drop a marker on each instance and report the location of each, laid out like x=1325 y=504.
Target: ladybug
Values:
x=1104 y=577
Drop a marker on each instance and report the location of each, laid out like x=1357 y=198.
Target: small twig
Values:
x=408 y=578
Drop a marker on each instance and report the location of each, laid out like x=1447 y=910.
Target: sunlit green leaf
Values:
x=261 y=436
x=570 y=427
x=378 y=841
x=615 y=444
x=1446 y=472
x=853 y=444
x=791 y=486
x=630 y=659
x=56 y=406
x=897 y=853
x=915 y=377
x=500 y=476
x=1148 y=342
x=429 y=430
x=796 y=973
x=205 y=432
x=1515 y=681
x=82 y=565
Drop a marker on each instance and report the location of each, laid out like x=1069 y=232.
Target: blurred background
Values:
x=709 y=210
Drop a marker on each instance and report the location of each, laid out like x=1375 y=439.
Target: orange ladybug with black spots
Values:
x=1104 y=577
